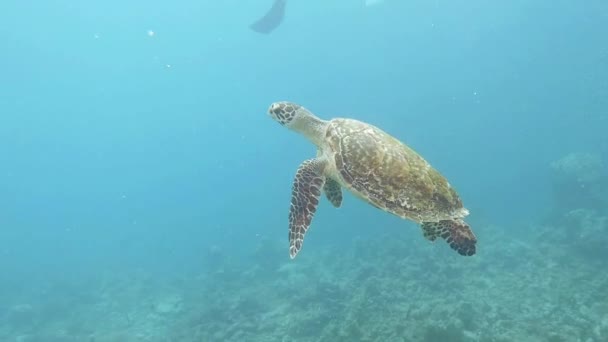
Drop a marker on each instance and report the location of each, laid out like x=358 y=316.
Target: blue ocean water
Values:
x=144 y=190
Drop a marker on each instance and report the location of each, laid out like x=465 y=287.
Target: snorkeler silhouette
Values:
x=274 y=17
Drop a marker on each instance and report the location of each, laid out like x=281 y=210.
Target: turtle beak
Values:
x=274 y=109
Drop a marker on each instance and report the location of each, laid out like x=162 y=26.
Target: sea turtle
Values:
x=377 y=168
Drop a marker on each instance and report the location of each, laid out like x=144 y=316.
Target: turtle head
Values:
x=287 y=113
x=299 y=119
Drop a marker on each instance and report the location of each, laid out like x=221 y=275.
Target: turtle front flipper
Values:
x=456 y=233
x=307 y=186
x=333 y=192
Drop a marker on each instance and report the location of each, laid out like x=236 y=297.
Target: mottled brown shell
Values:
x=391 y=176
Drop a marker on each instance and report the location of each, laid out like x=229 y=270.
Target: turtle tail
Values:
x=455 y=232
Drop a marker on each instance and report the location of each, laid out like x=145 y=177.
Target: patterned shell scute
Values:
x=389 y=174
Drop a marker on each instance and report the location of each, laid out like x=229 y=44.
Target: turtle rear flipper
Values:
x=307 y=186
x=456 y=233
x=333 y=192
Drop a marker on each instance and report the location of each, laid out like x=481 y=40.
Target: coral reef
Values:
x=389 y=288
x=580 y=231
x=579 y=181
x=578 y=223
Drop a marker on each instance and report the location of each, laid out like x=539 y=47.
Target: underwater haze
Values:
x=145 y=190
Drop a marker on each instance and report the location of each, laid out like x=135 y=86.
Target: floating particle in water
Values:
x=151 y=33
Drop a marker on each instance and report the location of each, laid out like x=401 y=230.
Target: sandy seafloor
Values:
x=532 y=289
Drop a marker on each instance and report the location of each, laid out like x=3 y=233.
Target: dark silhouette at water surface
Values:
x=272 y=19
